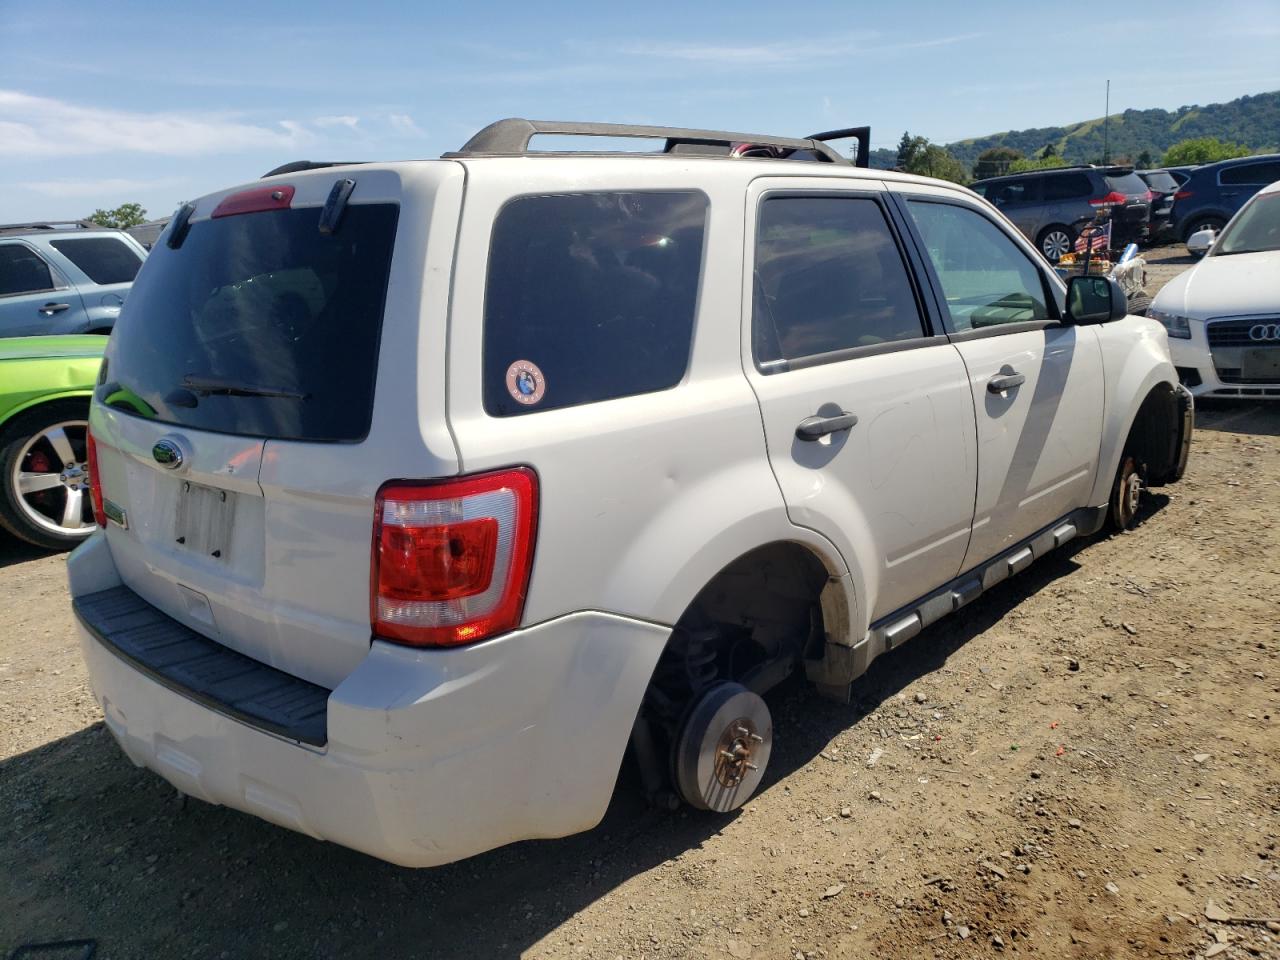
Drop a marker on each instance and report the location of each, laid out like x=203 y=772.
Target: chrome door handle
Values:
x=49 y=309
x=1003 y=383
x=813 y=428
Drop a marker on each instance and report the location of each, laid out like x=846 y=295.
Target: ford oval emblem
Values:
x=167 y=454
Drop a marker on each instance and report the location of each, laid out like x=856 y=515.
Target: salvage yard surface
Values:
x=1076 y=766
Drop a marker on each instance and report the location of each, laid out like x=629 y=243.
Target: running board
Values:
x=890 y=632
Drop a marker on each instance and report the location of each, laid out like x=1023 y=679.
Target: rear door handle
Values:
x=812 y=428
x=1003 y=383
x=49 y=309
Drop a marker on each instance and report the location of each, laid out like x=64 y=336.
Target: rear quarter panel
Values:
x=28 y=382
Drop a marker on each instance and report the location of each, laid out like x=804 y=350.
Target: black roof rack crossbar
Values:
x=510 y=138
x=862 y=134
x=298 y=166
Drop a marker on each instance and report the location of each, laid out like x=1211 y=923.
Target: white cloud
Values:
x=344 y=120
x=33 y=126
x=105 y=188
x=403 y=123
x=781 y=52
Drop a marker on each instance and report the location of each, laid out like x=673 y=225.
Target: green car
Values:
x=45 y=385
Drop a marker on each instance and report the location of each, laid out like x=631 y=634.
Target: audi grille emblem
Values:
x=1265 y=331
x=167 y=454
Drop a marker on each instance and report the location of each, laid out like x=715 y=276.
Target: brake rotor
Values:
x=723 y=748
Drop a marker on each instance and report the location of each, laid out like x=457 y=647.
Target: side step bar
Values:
x=890 y=632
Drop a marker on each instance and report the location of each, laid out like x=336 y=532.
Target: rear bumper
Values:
x=431 y=756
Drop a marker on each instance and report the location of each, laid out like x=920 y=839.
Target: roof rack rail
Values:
x=51 y=225
x=297 y=166
x=510 y=138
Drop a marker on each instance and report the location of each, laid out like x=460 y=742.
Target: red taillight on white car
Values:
x=451 y=558
x=95 y=483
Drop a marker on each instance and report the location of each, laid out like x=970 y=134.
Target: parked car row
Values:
x=1051 y=207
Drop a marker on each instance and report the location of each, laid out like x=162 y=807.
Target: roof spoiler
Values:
x=862 y=134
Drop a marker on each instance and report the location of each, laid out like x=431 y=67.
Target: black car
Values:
x=1163 y=184
x=1051 y=207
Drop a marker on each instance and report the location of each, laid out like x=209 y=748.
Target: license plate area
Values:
x=1261 y=364
x=204 y=519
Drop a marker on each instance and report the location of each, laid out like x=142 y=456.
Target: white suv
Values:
x=431 y=487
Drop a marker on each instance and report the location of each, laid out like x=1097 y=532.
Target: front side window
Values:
x=103 y=259
x=986 y=279
x=590 y=297
x=828 y=277
x=1012 y=193
x=22 y=271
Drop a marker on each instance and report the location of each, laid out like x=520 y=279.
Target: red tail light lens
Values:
x=451 y=559
x=95 y=485
x=1184 y=194
x=1112 y=198
x=254 y=201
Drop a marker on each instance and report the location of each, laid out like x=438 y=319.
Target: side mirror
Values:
x=1095 y=300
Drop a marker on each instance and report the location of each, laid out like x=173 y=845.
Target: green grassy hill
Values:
x=1253 y=121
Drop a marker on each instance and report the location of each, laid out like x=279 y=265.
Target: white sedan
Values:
x=1223 y=315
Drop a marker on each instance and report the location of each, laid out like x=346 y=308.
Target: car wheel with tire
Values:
x=44 y=475
x=1196 y=224
x=1055 y=242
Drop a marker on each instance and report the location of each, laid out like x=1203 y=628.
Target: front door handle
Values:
x=1003 y=383
x=49 y=309
x=813 y=428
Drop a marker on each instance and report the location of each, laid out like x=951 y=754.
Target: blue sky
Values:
x=106 y=103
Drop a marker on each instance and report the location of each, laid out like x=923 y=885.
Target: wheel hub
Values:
x=734 y=751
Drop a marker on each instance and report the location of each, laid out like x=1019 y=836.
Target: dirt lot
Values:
x=1073 y=768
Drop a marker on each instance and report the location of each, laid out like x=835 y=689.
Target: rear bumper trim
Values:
x=203 y=670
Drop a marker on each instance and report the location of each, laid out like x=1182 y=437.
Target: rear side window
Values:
x=1253 y=174
x=986 y=279
x=1129 y=184
x=258 y=325
x=22 y=271
x=828 y=277
x=1067 y=186
x=103 y=259
x=590 y=297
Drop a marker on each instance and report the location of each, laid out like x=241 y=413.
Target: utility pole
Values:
x=1106 y=125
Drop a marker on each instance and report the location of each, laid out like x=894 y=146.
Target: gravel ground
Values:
x=1084 y=764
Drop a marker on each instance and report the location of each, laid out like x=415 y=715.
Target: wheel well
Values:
x=1054 y=226
x=41 y=404
x=1153 y=438
x=752 y=623
x=1194 y=218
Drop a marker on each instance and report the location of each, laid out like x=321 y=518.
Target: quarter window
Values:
x=590 y=297
x=986 y=279
x=828 y=277
x=22 y=271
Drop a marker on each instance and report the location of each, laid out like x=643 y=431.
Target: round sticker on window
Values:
x=525 y=382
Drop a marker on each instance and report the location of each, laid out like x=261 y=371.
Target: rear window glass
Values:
x=1161 y=181
x=1127 y=183
x=258 y=325
x=102 y=259
x=1251 y=173
x=590 y=297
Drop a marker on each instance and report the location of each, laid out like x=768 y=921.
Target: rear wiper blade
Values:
x=210 y=386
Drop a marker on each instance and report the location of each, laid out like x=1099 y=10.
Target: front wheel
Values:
x=1126 y=495
x=1056 y=242
x=44 y=476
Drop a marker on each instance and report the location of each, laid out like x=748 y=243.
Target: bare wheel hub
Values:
x=733 y=754
x=722 y=748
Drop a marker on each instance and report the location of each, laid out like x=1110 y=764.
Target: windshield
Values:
x=1256 y=229
x=258 y=325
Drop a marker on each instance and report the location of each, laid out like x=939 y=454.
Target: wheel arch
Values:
x=43 y=400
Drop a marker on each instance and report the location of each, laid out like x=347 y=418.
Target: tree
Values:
x=995 y=161
x=1050 y=150
x=122 y=217
x=1037 y=163
x=917 y=155
x=1202 y=150
x=1145 y=160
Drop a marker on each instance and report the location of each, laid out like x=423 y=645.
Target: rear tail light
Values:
x=95 y=484
x=1111 y=199
x=1184 y=194
x=451 y=559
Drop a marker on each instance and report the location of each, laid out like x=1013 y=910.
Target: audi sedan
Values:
x=1223 y=315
